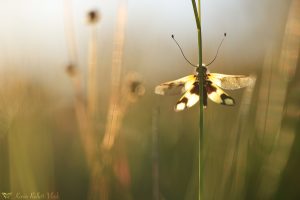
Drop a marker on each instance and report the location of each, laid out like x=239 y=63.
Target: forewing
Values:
x=217 y=95
x=176 y=86
x=230 y=82
x=190 y=98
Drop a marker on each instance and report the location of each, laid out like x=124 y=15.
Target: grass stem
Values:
x=115 y=111
x=201 y=72
x=92 y=73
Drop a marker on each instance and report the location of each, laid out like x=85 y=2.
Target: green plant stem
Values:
x=201 y=80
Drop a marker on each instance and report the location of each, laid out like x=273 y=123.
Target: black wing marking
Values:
x=176 y=86
x=217 y=95
x=230 y=82
x=190 y=98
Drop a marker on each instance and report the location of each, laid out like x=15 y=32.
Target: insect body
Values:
x=213 y=82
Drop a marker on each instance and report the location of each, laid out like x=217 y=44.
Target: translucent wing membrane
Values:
x=230 y=82
x=189 y=85
x=176 y=86
x=190 y=98
x=217 y=95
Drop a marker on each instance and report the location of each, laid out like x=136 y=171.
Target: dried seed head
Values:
x=71 y=70
x=133 y=87
x=137 y=88
x=93 y=17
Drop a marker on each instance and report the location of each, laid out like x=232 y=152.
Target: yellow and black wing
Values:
x=176 y=86
x=211 y=90
x=217 y=95
x=230 y=82
x=190 y=97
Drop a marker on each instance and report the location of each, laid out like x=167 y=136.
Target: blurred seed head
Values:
x=93 y=17
x=133 y=87
x=71 y=70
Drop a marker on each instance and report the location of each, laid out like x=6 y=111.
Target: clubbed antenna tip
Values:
x=225 y=34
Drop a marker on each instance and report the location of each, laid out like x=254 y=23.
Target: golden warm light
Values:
x=89 y=94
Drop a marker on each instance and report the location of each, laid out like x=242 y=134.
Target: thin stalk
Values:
x=92 y=73
x=70 y=32
x=115 y=111
x=155 y=154
x=197 y=14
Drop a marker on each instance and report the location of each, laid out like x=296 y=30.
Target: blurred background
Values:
x=79 y=118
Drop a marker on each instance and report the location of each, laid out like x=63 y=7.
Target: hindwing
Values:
x=217 y=95
x=190 y=98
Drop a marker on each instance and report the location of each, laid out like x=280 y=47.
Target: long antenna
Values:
x=217 y=50
x=182 y=52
